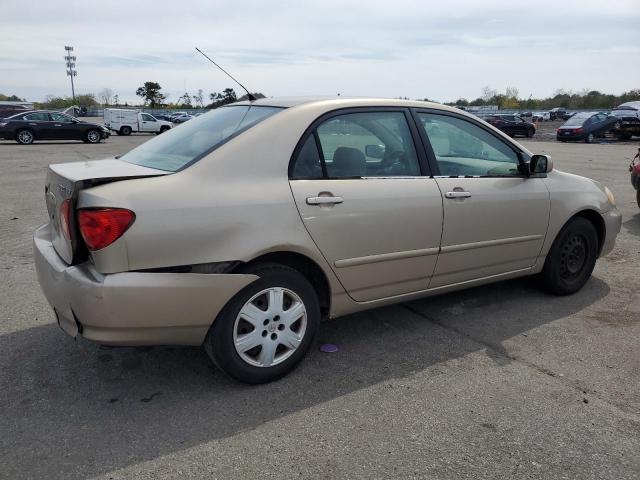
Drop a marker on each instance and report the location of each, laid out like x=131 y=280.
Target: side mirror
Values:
x=374 y=151
x=540 y=164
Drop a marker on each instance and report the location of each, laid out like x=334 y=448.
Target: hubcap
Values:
x=573 y=257
x=270 y=327
x=93 y=136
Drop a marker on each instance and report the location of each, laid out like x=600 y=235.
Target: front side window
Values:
x=148 y=118
x=368 y=144
x=462 y=148
x=61 y=117
x=179 y=147
x=38 y=117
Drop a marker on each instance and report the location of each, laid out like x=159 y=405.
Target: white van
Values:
x=123 y=122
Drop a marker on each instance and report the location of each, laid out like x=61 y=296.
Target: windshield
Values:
x=181 y=146
x=626 y=107
x=578 y=119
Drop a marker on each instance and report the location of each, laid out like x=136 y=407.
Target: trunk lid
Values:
x=66 y=180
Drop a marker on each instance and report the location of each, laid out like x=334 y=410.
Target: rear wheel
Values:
x=572 y=257
x=25 y=137
x=589 y=138
x=93 y=136
x=125 y=131
x=267 y=328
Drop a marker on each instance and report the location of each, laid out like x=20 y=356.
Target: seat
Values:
x=347 y=162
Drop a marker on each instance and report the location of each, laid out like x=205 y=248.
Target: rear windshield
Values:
x=192 y=140
x=578 y=119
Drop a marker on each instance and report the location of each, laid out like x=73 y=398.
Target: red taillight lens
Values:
x=100 y=227
x=577 y=130
x=65 y=211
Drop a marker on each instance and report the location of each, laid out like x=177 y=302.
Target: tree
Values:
x=488 y=94
x=150 y=93
x=116 y=99
x=10 y=98
x=228 y=95
x=105 y=95
x=185 y=99
x=199 y=98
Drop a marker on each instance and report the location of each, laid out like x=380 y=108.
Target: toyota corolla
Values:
x=244 y=227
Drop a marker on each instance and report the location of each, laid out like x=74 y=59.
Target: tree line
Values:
x=151 y=95
x=569 y=99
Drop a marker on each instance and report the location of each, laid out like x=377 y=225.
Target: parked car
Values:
x=177 y=114
x=526 y=114
x=242 y=228
x=628 y=115
x=124 y=122
x=511 y=124
x=634 y=169
x=541 y=117
x=162 y=116
x=181 y=118
x=10 y=110
x=557 y=113
x=27 y=127
x=586 y=126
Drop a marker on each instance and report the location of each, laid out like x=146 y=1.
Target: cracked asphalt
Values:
x=501 y=381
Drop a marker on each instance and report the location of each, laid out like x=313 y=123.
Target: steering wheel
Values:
x=394 y=162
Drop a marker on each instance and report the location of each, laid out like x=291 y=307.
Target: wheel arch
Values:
x=303 y=264
x=19 y=129
x=597 y=221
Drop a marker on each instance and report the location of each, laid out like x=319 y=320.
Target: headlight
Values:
x=3 y=124
x=610 y=197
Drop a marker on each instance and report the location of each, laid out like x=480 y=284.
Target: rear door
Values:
x=495 y=217
x=41 y=124
x=366 y=198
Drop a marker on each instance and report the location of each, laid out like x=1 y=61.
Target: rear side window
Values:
x=354 y=145
x=180 y=147
x=38 y=117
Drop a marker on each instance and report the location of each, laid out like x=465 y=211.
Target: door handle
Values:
x=57 y=125
x=324 y=200
x=457 y=194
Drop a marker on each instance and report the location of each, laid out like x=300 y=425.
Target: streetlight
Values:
x=71 y=71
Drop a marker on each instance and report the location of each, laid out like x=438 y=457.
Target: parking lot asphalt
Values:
x=500 y=381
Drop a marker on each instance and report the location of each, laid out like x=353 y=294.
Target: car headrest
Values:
x=349 y=162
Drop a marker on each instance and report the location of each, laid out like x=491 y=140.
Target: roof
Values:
x=342 y=102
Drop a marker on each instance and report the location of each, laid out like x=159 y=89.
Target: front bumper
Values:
x=613 y=224
x=131 y=308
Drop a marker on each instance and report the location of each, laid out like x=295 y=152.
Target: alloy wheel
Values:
x=25 y=136
x=270 y=327
x=93 y=136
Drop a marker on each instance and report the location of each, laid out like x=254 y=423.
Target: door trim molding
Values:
x=385 y=257
x=489 y=243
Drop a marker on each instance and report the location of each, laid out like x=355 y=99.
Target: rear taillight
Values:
x=100 y=227
x=65 y=211
x=577 y=130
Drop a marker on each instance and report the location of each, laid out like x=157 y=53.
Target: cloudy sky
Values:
x=442 y=50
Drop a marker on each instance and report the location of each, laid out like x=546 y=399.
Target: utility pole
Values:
x=71 y=71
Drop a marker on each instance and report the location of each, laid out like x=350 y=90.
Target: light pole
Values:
x=71 y=71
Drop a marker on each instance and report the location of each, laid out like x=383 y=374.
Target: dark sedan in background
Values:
x=586 y=126
x=511 y=124
x=27 y=127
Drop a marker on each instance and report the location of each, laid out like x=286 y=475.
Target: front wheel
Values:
x=590 y=138
x=572 y=258
x=93 y=136
x=267 y=328
x=638 y=198
x=125 y=130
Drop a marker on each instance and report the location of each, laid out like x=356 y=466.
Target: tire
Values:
x=624 y=136
x=589 y=138
x=276 y=283
x=125 y=130
x=163 y=129
x=25 y=136
x=638 y=198
x=93 y=136
x=572 y=257
x=529 y=133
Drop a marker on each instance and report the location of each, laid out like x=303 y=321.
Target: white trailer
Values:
x=123 y=122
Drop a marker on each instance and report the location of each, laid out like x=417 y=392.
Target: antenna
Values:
x=250 y=96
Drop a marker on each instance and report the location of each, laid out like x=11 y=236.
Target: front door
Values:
x=359 y=186
x=495 y=217
x=66 y=128
x=149 y=123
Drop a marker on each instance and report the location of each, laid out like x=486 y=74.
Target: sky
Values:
x=441 y=50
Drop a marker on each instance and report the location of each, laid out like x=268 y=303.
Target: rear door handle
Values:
x=324 y=200
x=57 y=125
x=457 y=194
